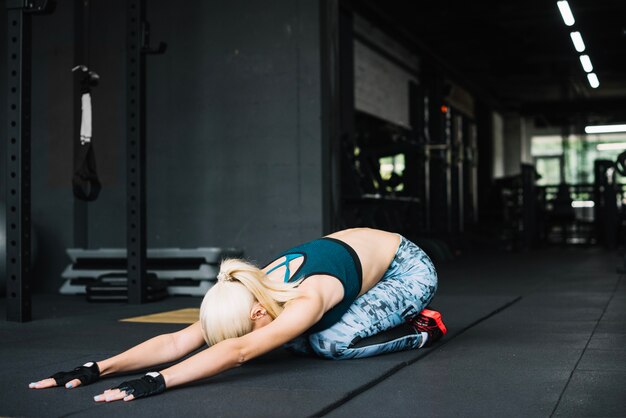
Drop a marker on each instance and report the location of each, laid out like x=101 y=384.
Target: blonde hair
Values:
x=225 y=309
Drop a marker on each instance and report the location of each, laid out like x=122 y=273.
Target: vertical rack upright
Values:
x=136 y=151
x=18 y=193
x=81 y=57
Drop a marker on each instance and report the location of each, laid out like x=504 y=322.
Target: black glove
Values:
x=87 y=373
x=152 y=383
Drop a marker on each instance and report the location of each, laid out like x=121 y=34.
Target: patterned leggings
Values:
x=404 y=290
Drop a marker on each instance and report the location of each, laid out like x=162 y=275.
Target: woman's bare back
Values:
x=375 y=248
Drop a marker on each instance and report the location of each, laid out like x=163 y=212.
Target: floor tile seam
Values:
x=603 y=371
x=365 y=387
x=514 y=369
x=607 y=349
x=558 y=402
x=607 y=370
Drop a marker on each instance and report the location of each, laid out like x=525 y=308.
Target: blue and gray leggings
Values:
x=405 y=289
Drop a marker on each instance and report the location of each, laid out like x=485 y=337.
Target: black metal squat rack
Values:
x=137 y=41
x=18 y=221
x=18 y=191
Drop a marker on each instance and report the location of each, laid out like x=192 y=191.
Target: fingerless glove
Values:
x=87 y=373
x=152 y=383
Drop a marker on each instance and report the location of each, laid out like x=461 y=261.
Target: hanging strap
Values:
x=85 y=183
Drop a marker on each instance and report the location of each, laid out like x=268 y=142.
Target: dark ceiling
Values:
x=519 y=53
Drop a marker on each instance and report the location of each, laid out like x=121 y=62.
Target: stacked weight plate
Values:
x=182 y=271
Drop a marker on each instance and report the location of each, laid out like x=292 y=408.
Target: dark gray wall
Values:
x=244 y=144
x=233 y=128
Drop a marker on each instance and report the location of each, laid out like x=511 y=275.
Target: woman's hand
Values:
x=82 y=375
x=152 y=383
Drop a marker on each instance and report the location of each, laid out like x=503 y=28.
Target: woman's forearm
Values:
x=215 y=359
x=157 y=350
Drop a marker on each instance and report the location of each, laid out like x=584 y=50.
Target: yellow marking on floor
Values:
x=180 y=316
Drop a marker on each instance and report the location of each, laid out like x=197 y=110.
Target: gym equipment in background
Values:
x=85 y=182
x=19 y=269
x=137 y=47
x=521 y=202
x=369 y=198
x=620 y=167
x=620 y=164
x=605 y=191
x=114 y=288
x=3 y=250
x=182 y=271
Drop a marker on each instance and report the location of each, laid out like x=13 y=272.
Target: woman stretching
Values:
x=355 y=293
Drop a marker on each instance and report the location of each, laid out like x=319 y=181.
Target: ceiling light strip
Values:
x=566 y=13
x=593 y=80
x=611 y=146
x=577 y=40
x=585 y=61
x=605 y=129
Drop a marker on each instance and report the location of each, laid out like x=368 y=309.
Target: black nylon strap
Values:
x=86 y=375
x=85 y=182
x=146 y=386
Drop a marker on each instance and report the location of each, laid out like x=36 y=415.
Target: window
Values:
x=576 y=153
x=391 y=171
x=549 y=168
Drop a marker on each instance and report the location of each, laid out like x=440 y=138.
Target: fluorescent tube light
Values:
x=566 y=12
x=586 y=63
x=593 y=80
x=583 y=204
x=577 y=39
x=605 y=129
x=611 y=146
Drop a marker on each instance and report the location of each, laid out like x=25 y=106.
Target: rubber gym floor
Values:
x=534 y=334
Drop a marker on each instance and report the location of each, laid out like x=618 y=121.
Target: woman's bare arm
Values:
x=158 y=350
x=298 y=316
